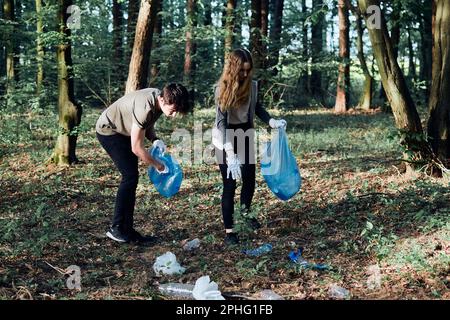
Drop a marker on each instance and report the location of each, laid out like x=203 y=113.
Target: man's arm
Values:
x=137 y=146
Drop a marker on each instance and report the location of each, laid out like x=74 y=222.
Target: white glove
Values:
x=159 y=144
x=234 y=167
x=276 y=124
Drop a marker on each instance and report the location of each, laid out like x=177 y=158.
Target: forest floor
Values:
x=356 y=212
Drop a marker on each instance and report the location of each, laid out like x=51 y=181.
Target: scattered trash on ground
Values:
x=296 y=257
x=265 y=248
x=374 y=279
x=182 y=290
x=205 y=289
x=192 y=245
x=167 y=264
x=269 y=295
x=337 y=292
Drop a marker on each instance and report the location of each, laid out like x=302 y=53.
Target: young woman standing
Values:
x=236 y=97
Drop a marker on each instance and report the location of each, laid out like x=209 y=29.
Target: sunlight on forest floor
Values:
x=355 y=210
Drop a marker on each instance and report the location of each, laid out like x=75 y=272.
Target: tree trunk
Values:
x=305 y=55
x=317 y=49
x=117 y=68
x=343 y=83
x=9 y=14
x=426 y=36
x=439 y=107
x=264 y=32
x=40 y=53
x=157 y=32
x=69 y=112
x=139 y=63
x=190 y=47
x=133 y=12
x=255 y=33
x=411 y=65
x=275 y=34
x=229 y=25
x=395 y=29
x=365 y=101
x=406 y=117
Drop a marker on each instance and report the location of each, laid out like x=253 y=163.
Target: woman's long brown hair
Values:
x=232 y=94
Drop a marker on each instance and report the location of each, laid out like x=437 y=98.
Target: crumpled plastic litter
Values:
x=205 y=289
x=167 y=264
x=296 y=257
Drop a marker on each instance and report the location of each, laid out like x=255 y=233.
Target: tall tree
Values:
x=403 y=107
x=343 y=83
x=133 y=12
x=365 y=101
x=157 y=33
x=190 y=47
x=275 y=34
x=412 y=75
x=139 y=62
x=255 y=33
x=264 y=32
x=426 y=46
x=230 y=17
x=68 y=110
x=317 y=27
x=305 y=51
x=40 y=53
x=118 y=73
x=9 y=14
x=439 y=121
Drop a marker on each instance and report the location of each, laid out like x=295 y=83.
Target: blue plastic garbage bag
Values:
x=167 y=184
x=296 y=257
x=279 y=166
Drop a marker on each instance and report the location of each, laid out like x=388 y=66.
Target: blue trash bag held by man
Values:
x=166 y=183
x=279 y=167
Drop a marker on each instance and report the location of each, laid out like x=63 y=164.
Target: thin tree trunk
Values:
x=40 y=53
x=412 y=75
x=305 y=55
x=365 y=101
x=69 y=112
x=439 y=122
x=264 y=32
x=343 y=83
x=229 y=25
x=395 y=30
x=9 y=14
x=157 y=33
x=255 y=33
x=275 y=34
x=133 y=12
x=406 y=117
x=118 y=41
x=317 y=49
x=190 y=46
x=426 y=44
x=139 y=63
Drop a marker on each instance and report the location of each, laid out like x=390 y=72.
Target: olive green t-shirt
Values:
x=135 y=107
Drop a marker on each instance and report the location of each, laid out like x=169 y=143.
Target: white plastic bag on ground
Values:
x=167 y=264
x=205 y=289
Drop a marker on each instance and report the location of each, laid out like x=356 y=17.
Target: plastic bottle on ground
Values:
x=336 y=292
x=191 y=245
x=269 y=295
x=265 y=248
x=182 y=290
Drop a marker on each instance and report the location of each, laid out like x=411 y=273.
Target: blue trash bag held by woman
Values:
x=279 y=167
x=167 y=184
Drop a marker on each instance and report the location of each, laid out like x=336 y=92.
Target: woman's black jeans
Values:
x=248 y=170
x=118 y=147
